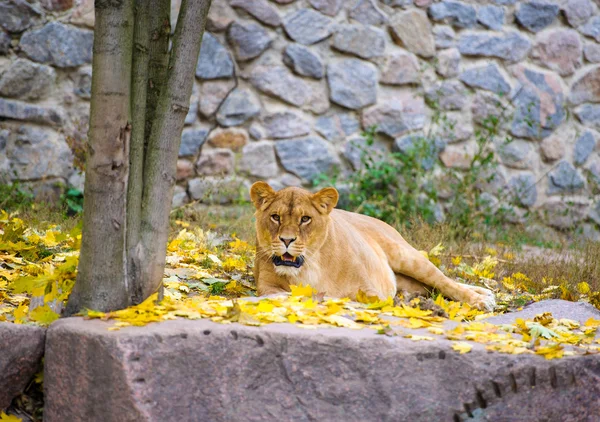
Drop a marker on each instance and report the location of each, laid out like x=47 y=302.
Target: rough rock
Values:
x=448 y=63
x=180 y=197
x=83 y=86
x=303 y=61
x=578 y=11
x=214 y=61
x=559 y=50
x=37 y=153
x=491 y=17
x=258 y=160
x=279 y=82
x=59 y=45
x=57 y=5
x=367 y=12
x=536 y=15
x=576 y=311
x=553 y=147
x=305 y=157
x=352 y=83
x=517 y=154
x=18 y=15
x=307 y=26
x=510 y=46
x=586 y=87
x=592 y=28
x=230 y=138
x=458 y=155
x=457 y=126
x=328 y=7
x=285 y=124
x=212 y=94
x=400 y=69
x=523 y=189
x=540 y=104
x=591 y=52
x=359 y=40
x=486 y=104
x=584 y=146
x=564 y=178
x=22 y=351
x=449 y=95
x=191 y=141
x=444 y=36
x=558 y=213
x=260 y=9
x=337 y=126
x=357 y=149
x=26 y=80
x=248 y=40
x=216 y=190
x=486 y=77
x=185 y=170
x=239 y=106
x=83 y=14
x=411 y=29
x=5 y=41
x=318 y=103
x=595 y=212
x=396 y=115
x=455 y=13
x=18 y=110
x=220 y=16
x=215 y=162
x=432 y=147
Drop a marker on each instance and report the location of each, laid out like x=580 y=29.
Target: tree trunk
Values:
x=165 y=137
x=102 y=275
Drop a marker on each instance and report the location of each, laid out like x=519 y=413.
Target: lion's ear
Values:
x=260 y=193
x=326 y=199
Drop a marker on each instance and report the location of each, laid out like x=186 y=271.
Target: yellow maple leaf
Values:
x=300 y=290
x=551 y=352
x=9 y=418
x=462 y=347
x=20 y=313
x=414 y=337
x=362 y=297
x=583 y=288
x=43 y=315
x=594 y=323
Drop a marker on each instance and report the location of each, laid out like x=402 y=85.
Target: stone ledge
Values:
x=199 y=370
x=21 y=351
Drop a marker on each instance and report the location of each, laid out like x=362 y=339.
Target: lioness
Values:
x=302 y=239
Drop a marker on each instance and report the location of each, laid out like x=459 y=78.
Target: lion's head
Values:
x=291 y=224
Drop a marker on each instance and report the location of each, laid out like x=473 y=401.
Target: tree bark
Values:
x=165 y=137
x=139 y=91
x=102 y=274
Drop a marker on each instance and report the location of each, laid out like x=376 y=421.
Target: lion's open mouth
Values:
x=288 y=260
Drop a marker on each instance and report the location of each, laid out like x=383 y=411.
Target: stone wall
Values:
x=283 y=89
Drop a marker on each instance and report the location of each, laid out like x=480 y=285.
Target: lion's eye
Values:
x=275 y=217
x=305 y=219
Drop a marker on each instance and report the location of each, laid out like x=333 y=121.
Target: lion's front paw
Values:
x=481 y=298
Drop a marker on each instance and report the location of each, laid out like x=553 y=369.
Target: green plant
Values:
x=72 y=201
x=13 y=197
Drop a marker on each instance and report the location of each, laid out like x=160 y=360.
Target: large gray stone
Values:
x=279 y=82
x=456 y=126
x=214 y=61
x=367 y=12
x=191 y=141
x=456 y=13
x=216 y=190
x=536 y=15
x=584 y=146
x=578 y=11
x=307 y=26
x=523 y=189
x=358 y=151
x=540 y=103
x=285 y=124
x=220 y=16
x=37 y=153
x=160 y=372
x=412 y=30
x=359 y=40
x=239 y=106
x=589 y=115
x=491 y=17
x=18 y=15
x=215 y=162
x=248 y=39
x=258 y=160
x=26 y=80
x=233 y=138
x=510 y=46
x=448 y=95
x=517 y=154
x=487 y=106
x=586 y=87
x=397 y=115
x=486 y=77
x=83 y=84
x=338 y=126
x=557 y=212
x=328 y=7
x=444 y=36
x=352 y=83
x=448 y=63
x=180 y=197
x=260 y=9
x=595 y=212
x=5 y=42
x=18 y=110
x=22 y=351
x=564 y=178
x=303 y=61
x=59 y=45
x=576 y=311
x=212 y=94
x=591 y=52
x=305 y=157
x=192 y=113
x=559 y=50
x=400 y=69
x=427 y=148
x=592 y=28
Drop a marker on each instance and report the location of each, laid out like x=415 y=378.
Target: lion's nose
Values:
x=287 y=241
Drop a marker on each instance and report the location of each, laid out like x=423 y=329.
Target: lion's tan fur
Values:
x=344 y=252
